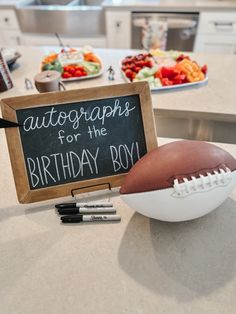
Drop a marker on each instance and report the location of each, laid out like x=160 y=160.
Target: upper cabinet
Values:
x=10 y=34
x=216 y=32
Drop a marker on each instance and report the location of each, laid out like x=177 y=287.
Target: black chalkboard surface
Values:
x=81 y=141
x=72 y=139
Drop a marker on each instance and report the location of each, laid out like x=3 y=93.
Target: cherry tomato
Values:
x=66 y=68
x=71 y=70
x=78 y=73
x=66 y=75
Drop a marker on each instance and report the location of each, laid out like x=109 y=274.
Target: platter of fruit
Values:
x=164 y=70
x=73 y=64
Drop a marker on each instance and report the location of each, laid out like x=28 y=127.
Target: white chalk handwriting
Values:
x=54 y=117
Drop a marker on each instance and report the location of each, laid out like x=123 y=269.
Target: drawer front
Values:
x=11 y=38
x=215 y=44
x=217 y=23
x=8 y=19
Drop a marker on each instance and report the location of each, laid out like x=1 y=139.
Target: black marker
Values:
x=89 y=218
x=74 y=205
x=85 y=210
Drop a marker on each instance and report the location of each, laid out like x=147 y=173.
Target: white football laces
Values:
x=203 y=183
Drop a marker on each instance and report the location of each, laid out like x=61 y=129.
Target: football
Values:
x=180 y=181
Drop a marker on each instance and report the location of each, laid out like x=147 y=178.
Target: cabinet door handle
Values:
x=224 y=26
x=223 y=23
x=6 y=19
x=118 y=24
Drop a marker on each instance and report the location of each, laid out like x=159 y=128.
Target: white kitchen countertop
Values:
x=154 y=5
x=216 y=100
x=137 y=266
x=5 y=2
x=170 y=5
x=8 y=4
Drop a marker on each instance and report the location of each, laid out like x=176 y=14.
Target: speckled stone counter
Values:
x=8 y=4
x=139 y=265
x=216 y=99
x=154 y=5
x=170 y=5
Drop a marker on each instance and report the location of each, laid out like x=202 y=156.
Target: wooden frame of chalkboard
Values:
x=49 y=157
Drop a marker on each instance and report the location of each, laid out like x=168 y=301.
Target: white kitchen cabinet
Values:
x=51 y=40
x=216 y=44
x=10 y=38
x=10 y=34
x=216 y=32
x=217 y=23
x=118 y=29
x=8 y=20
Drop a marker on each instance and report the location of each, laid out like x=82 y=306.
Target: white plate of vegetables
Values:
x=74 y=64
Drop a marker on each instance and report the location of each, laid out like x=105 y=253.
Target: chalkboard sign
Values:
x=77 y=138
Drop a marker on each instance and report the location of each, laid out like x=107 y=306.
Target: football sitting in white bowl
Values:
x=180 y=181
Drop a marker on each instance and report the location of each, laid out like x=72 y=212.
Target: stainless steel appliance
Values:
x=75 y=18
x=166 y=31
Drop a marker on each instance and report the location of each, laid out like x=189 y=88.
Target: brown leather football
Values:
x=174 y=178
x=177 y=160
